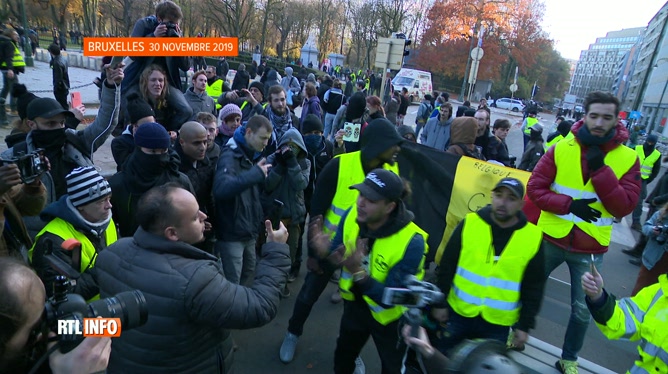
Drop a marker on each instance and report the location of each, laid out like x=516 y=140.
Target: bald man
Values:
x=195 y=164
x=23 y=295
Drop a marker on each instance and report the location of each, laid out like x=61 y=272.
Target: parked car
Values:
x=510 y=104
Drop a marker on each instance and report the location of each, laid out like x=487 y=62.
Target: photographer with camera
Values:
x=190 y=301
x=492 y=271
x=378 y=246
x=251 y=101
x=654 y=257
x=22 y=297
x=83 y=214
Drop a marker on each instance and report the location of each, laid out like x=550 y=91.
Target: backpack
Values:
x=425 y=114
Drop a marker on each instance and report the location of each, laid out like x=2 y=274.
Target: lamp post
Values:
x=27 y=48
x=658 y=105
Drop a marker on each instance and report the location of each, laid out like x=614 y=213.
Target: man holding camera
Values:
x=378 y=246
x=190 y=301
x=83 y=214
x=251 y=101
x=492 y=272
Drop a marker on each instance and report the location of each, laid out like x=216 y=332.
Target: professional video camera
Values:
x=416 y=295
x=171 y=30
x=663 y=232
x=30 y=165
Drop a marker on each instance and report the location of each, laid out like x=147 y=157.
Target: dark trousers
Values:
x=460 y=328
x=357 y=324
x=61 y=98
x=7 y=85
x=314 y=285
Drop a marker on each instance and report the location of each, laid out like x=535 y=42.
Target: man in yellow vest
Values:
x=527 y=124
x=580 y=185
x=648 y=157
x=84 y=214
x=379 y=146
x=492 y=271
x=214 y=85
x=378 y=246
x=11 y=65
x=562 y=132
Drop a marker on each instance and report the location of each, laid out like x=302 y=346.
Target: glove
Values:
x=581 y=208
x=290 y=158
x=594 y=158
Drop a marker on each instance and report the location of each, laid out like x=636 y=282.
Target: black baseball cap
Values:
x=514 y=185
x=46 y=107
x=380 y=184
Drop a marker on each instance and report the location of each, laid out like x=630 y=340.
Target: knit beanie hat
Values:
x=85 y=185
x=23 y=98
x=228 y=110
x=356 y=106
x=312 y=123
x=138 y=108
x=152 y=135
x=258 y=85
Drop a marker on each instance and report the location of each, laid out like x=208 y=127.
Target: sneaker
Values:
x=294 y=273
x=636 y=226
x=285 y=292
x=567 y=367
x=359 y=366
x=510 y=345
x=287 y=352
x=335 y=277
x=336 y=297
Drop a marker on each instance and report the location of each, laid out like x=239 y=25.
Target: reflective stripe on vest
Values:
x=65 y=230
x=17 y=59
x=350 y=172
x=384 y=255
x=488 y=287
x=530 y=122
x=214 y=91
x=569 y=181
x=553 y=142
x=647 y=163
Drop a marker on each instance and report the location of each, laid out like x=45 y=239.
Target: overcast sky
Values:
x=574 y=24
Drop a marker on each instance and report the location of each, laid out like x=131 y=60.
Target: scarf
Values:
x=588 y=139
x=225 y=130
x=145 y=171
x=281 y=123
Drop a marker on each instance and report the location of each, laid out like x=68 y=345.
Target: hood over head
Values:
x=463 y=130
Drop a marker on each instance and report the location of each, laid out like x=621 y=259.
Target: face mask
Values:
x=313 y=143
x=48 y=139
x=152 y=163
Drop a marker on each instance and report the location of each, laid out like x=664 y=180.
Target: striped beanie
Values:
x=85 y=185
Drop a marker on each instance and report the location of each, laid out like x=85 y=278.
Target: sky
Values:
x=574 y=24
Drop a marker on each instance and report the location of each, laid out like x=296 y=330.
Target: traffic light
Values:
x=407 y=43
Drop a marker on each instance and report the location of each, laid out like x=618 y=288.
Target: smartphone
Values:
x=400 y=296
x=75 y=98
x=275 y=214
x=115 y=61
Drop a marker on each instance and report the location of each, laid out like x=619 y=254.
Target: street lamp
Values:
x=658 y=106
x=27 y=48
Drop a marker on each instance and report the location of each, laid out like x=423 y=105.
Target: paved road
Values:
x=316 y=347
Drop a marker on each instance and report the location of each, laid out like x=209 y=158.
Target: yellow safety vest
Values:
x=214 y=91
x=367 y=83
x=17 y=59
x=530 y=122
x=65 y=230
x=486 y=285
x=352 y=77
x=569 y=181
x=647 y=163
x=350 y=172
x=642 y=317
x=553 y=142
x=385 y=253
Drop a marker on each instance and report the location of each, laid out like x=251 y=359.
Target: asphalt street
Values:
x=258 y=348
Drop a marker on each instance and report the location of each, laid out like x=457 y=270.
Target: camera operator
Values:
x=378 y=246
x=654 y=261
x=22 y=297
x=250 y=101
x=493 y=255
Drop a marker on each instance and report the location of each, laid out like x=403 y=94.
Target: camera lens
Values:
x=129 y=306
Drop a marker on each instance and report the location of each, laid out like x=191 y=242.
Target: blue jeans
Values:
x=578 y=264
x=329 y=121
x=238 y=260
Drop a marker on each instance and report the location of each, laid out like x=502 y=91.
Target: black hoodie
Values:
x=533 y=282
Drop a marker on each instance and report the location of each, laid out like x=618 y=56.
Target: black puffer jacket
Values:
x=190 y=303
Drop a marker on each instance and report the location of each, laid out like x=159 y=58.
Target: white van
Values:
x=417 y=82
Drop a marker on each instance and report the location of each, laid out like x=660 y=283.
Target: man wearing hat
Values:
x=84 y=214
x=380 y=144
x=140 y=112
x=65 y=148
x=151 y=163
x=650 y=165
x=492 y=273
x=251 y=101
x=378 y=246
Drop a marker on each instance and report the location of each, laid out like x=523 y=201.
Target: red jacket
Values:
x=618 y=196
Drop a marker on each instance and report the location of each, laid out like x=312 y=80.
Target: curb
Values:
x=540 y=356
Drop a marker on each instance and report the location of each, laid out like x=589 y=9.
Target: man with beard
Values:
x=198 y=97
x=251 y=101
x=380 y=144
x=492 y=271
x=280 y=117
x=152 y=163
x=482 y=115
x=65 y=148
x=22 y=297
